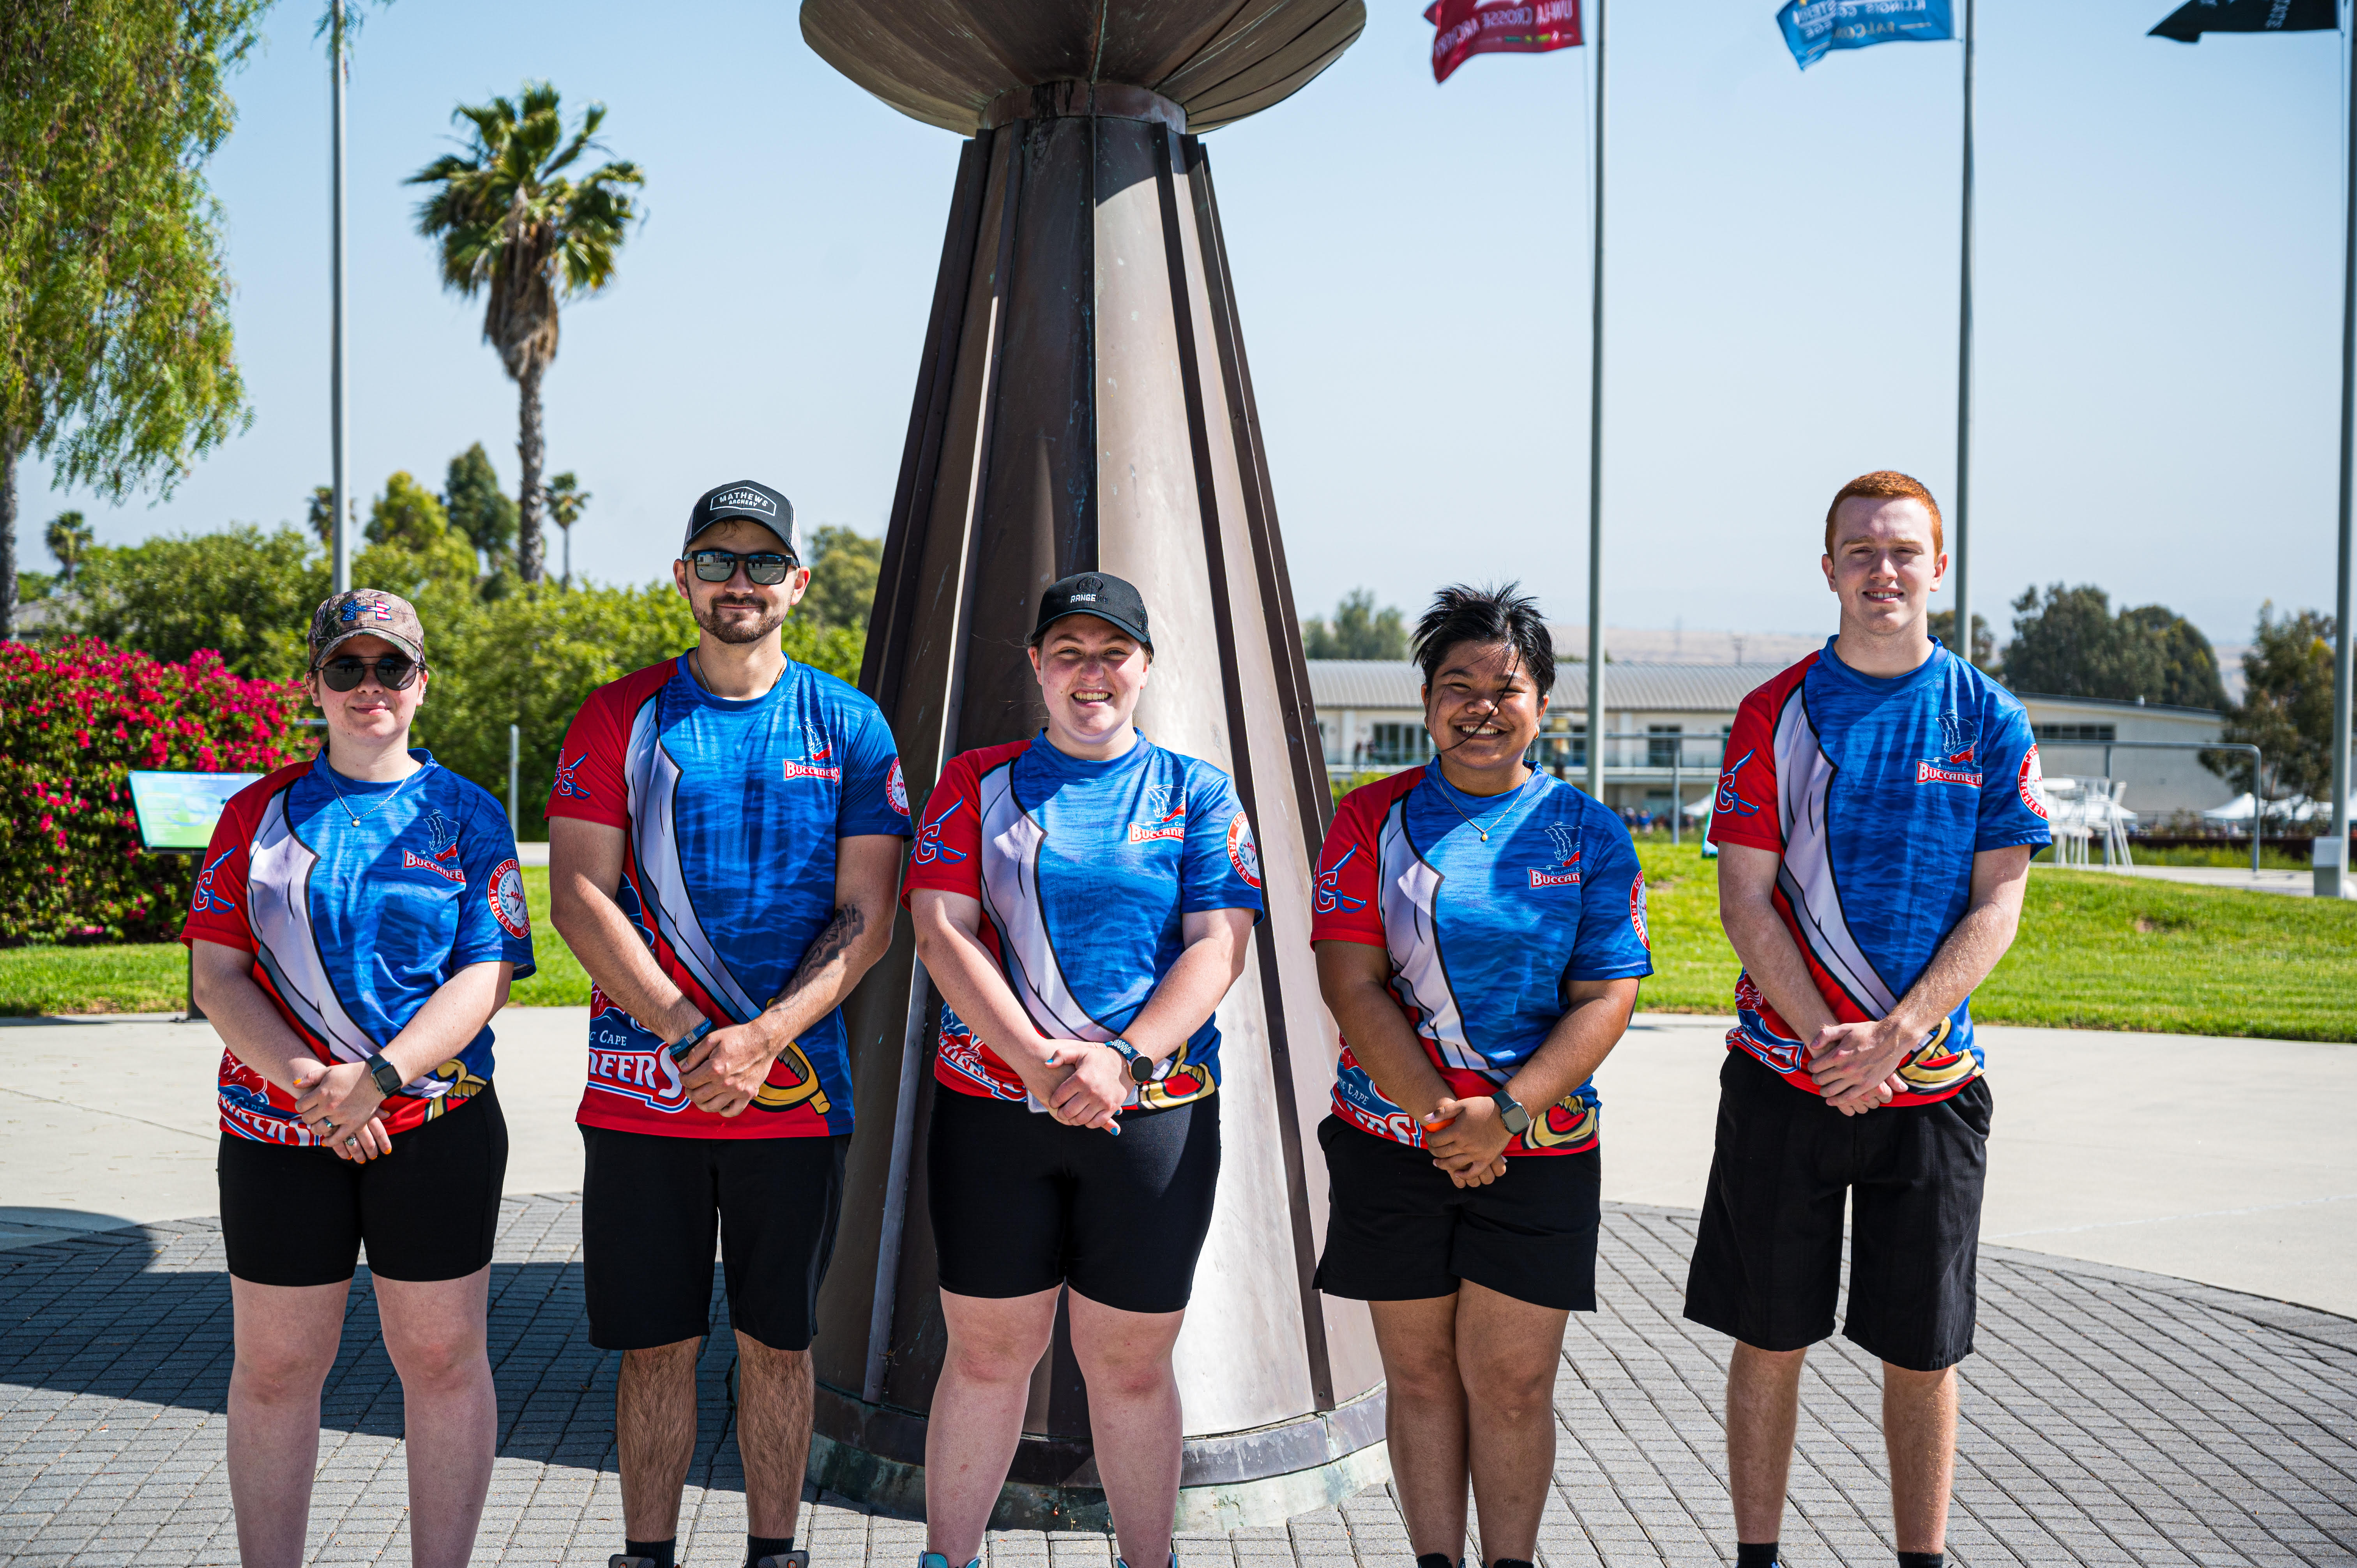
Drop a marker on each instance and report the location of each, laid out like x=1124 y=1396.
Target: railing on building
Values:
x=1661 y=756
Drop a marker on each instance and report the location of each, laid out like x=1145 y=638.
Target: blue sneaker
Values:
x=936 y=1560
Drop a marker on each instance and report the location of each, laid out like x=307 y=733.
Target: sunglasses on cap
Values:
x=394 y=672
x=765 y=567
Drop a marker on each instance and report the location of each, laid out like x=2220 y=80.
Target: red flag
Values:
x=1470 y=27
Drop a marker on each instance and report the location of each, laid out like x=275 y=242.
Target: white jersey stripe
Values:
x=654 y=780
x=1804 y=777
x=278 y=912
x=1011 y=838
x=1410 y=892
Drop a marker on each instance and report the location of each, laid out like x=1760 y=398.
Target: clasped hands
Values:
x=338 y=1102
x=723 y=1070
x=1082 y=1083
x=1468 y=1140
x=1855 y=1064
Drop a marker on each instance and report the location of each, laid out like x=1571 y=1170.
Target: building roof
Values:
x=2158 y=710
x=1338 y=683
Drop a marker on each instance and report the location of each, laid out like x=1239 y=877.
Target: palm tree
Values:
x=565 y=500
x=513 y=227
x=69 y=540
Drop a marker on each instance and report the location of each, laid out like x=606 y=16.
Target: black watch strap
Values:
x=1516 y=1120
x=388 y=1077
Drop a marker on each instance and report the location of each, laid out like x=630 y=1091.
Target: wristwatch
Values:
x=1516 y=1120
x=686 y=1043
x=1141 y=1066
x=388 y=1077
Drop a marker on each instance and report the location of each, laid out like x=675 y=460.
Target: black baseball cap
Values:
x=745 y=498
x=1098 y=593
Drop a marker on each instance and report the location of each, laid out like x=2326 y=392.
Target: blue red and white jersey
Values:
x=1485 y=938
x=353 y=924
x=730 y=811
x=1084 y=871
x=1876 y=793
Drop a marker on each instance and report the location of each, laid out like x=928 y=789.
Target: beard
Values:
x=739 y=628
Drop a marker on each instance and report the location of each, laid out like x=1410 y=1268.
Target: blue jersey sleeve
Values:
x=2013 y=798
x=1221 y=863
x=1613 y=943
x=875 y=800
x=494 y=922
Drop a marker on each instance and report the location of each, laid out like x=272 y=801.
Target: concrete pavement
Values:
x=2232 y=1161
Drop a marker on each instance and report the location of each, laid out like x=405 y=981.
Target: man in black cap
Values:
x=724 y=851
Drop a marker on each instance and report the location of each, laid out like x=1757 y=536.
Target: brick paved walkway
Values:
x=2109 y=1418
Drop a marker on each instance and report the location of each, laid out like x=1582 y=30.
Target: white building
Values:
x=1664 y=725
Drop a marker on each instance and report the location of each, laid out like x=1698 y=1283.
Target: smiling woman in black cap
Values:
x=1082 y=901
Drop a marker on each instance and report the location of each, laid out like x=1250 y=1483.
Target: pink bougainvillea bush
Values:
x=74 y=720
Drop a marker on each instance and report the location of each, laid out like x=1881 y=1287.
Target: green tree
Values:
x=566 y=502
x=1943 y=632
x=512 y=226
x=1359 y=630
x=320 y=513
x=407 y=514
x=69 y=539
x=478 y=508
x=844 y=568
x=247 y=594
x=115 y=349
x=2287 y=706
x=2068 y=644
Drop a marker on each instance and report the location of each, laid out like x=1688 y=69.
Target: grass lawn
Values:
x=2095 y=951
x=153 y=977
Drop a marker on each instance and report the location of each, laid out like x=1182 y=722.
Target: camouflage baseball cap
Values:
x=367 y=612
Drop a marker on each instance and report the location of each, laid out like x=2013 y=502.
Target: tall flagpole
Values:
x=2331 y=883
x=1959 y=514
x=1595 y=457
x=339 y=538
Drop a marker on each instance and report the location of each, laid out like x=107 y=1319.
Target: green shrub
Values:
x=74 y=720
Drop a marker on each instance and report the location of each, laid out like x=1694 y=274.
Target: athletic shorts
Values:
x=1767 y=1264
x=1399 y=1229
x=429 y=1210
x=1022 y=1203
x=652 y=1208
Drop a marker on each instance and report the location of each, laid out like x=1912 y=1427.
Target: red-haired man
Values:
x=1875 y=814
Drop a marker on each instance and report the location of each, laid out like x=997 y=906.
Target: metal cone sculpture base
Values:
x=1084 y=404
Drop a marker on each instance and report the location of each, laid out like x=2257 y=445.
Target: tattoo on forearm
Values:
x=836 y=937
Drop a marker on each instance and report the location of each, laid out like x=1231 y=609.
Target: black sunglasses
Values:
x=394 y=672
x=765 y=567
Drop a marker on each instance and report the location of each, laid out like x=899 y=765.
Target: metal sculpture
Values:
x=1084 y=403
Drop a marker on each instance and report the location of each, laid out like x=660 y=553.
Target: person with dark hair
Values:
x=1875 y=818
x=355 y=925
x=1082 y=901
x=1481 y=933
x=725 y=836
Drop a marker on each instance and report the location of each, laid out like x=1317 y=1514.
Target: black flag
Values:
x=2189 y=21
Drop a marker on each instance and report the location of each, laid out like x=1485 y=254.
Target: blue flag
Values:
x=1812 y=26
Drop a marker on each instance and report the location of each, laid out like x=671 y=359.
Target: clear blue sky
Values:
x=2160 y=277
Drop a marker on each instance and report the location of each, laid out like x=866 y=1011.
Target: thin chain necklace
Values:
x=329 y=768
x=1448 y=793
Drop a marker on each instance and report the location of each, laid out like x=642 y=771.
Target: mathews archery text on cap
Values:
x=1097 y=594
x=758 y=504
x=367 y=612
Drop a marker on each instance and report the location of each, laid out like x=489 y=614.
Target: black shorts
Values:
x=1399 y=1229
x=1022 y=1203
x=1767 y=1264
x=429 y=1210
x=653 y=1206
